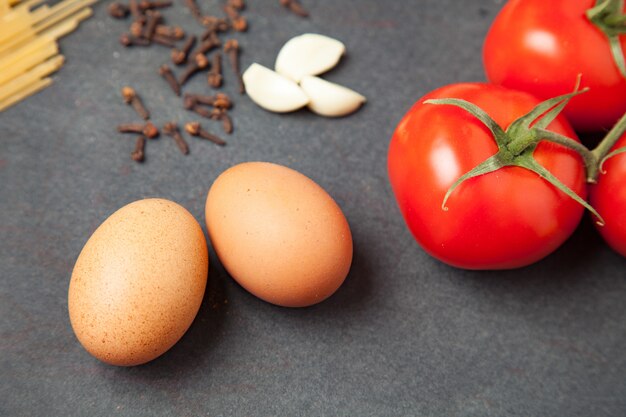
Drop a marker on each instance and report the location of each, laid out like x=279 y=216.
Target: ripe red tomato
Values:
x=608 y=197
x=541 y=46
x=504 y=219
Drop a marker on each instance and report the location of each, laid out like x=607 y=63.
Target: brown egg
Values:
x=138 y=282
x=278 y=233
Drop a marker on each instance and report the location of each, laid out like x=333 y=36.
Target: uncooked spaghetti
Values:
x=29 y=52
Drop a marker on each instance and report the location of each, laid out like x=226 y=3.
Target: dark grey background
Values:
x=404 y=336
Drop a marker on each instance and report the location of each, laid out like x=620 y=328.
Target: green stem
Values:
x=604 y=147
x=589 y=158
x=608 y=17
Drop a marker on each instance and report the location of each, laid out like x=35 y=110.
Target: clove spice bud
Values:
x=171 y=129
x=151 y=5
x=231 y=48
x=127 y=40
x=238 y=22
x=194 y=129
x=194 y=8
x=179 y=56
x=174 y=32
x=214 y=24
x=130 y=97
x=166 y=72
x=214 y=76
x=118 y=10
x=148 y=129
x=200 y=62
x=138 y=153
x=153 y=20
x=295 y=7
x=237 y=4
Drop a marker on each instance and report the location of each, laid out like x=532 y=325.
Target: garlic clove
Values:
x=272 y=91
x=308 y=54
x=330 y=99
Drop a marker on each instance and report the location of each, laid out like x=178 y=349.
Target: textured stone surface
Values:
x=404 y=336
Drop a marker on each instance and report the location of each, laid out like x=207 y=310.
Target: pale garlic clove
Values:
x=330 y=99
x=308 y=54
x=272 y=91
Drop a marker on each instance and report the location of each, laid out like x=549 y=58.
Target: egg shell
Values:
x=138 y=282
x=278 y=234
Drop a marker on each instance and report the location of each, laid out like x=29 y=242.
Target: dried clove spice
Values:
x=166 y=72
x=130 y=97
x=174 y=32
x=214 y=76
x=138 y=154
x=179 y=56
x=133 y=6
x=153 y=19
x=200 y=62
x=237 y=4
x=163 y=40
x=148 y=129
x=171 y=129
x=118 y=10
x=231 y=48
x=214 y=24
x=127 y=40
x=194 y=129
x=208 y=45
x=194 y=8
x=151 y=5
x=238 y=22
x=295 y=7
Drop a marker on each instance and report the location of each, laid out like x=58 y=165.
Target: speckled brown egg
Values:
x=278 y=233
x=138 y=282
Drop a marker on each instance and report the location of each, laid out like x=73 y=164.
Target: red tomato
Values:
x=541 y=46
x=504 y=219
x=608 y=197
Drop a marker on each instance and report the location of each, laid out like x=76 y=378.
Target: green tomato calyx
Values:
x=608 y=16
x=518 y=142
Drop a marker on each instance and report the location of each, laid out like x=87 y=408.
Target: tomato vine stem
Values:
x=602 y=152
x=516 y=144
x=608 y=16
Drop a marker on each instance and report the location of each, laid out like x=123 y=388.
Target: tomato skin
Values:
x=541 y=46
x=608 y=197
x=505 y=219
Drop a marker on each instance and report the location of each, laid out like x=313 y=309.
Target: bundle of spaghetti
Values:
x=29 y=52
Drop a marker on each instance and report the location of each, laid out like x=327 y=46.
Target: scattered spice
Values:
x=127 y=39
x=214 y=24
x=148 y=27
x=237 y=4
x=231 y=48
x=130 y=97
x=194 y=8
x=238 y=22
x=166 y=72
x=295 y=7
x=138 y=154
x=171 y=129
x=194 y=129
x=179 y=56
x=163 y=40
x=200 y=62
x=118 y=10
x=214 y=76
x=153 y=19
x=174 y=32
x=151 y=5
x=148 y=129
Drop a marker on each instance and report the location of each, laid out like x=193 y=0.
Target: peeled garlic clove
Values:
x=308 y=54
x=330 y=99
x=272 y=91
